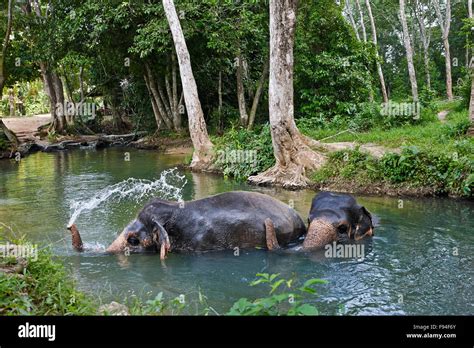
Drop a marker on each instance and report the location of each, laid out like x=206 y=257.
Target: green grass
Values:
x=432 y=136
x=42 y=288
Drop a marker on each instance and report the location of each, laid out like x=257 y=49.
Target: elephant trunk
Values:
x=118 y=244
x=320 y=233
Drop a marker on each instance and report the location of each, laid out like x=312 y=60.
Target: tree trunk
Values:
x=5 y=44
x=66 y=83
x=362 y=25
x=351 y=19
x=425 y=40
x=383 y=89
x=9 y=134
x=156 y=111
x=409 y=52
x=445 y=24
x=471 y=103
x=174 y=81
x=241 y=93
x=56 y=122
x=59 y=91
x=292 y=153
x=156 y=97
x=219 y=107
x=202 y=156
x=81 y=83
x=258 y=93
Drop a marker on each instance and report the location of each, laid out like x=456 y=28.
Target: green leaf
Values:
x=276 y=285
x=314 y=281
x=307 y=309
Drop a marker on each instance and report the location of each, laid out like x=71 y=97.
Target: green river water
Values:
x=420 y=260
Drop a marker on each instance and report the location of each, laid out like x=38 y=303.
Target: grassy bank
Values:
x=41 y=285
x=424 y=156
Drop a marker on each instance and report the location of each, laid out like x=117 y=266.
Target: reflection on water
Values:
x=420 y=260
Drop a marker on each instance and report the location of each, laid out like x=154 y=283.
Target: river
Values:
x=420 y=260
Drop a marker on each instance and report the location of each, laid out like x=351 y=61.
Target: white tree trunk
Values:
x=202 y=156
x=244 y=118
x=292 y=153
x=425 y=36
x=374 y=40
x=471 y=103
x=409 y=51
x=445 y=24
x=351 y=19
x=362 y=24
x=258 y=93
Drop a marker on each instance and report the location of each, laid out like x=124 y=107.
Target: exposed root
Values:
x=290 y=171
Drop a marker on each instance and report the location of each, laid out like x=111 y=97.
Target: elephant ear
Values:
x=367 y=213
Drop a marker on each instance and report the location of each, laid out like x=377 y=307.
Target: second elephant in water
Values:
x=333 y=217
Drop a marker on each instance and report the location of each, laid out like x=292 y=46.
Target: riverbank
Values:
x=429 y=158
x=37 y=283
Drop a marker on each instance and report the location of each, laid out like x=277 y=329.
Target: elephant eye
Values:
x=341 y=229
x=133 y=241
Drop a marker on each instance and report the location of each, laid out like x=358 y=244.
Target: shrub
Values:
x=279 y=302
x=256 y=144
x=444 y=172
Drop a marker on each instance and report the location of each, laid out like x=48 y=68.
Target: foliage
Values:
x=43 y=288
x=443 y=173
x=279 y=302
x=241 y=153
x=332 y=69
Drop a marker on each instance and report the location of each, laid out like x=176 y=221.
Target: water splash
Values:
x=169 y=186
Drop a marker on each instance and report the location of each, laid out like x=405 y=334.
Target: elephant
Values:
x=240 y=219
x=229 y=220
x=333 y=217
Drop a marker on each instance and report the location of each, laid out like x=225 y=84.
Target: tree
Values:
x=425 y=36
x=409 y=51
x=471 y=69
x=203 y=146
x=5 y=43
x=444 y=24
x=348 y=9
x=362 y=24
x=374 y=40
x=291 y=149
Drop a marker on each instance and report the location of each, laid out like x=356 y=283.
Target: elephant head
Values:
x=139 y=237
x=330 y=222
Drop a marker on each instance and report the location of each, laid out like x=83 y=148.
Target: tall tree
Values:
x=383 y=89
x=471 y=68
x=409 y=51
x=291 y=149
x=203 y=146
x=351 y=18
x=5 y=43
x=445 y=24
x=425 y=36
x=362 y=24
